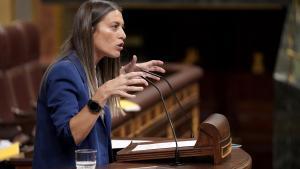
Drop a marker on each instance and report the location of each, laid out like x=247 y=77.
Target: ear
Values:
x=93 y=29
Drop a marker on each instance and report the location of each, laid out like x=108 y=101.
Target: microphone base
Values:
x=176 y=163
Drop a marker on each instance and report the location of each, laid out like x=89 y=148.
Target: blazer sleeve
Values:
x=62 y=93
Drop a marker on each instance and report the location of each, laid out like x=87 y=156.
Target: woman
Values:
x=80 y=90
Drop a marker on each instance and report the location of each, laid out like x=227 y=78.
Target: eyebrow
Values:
x=119 y=23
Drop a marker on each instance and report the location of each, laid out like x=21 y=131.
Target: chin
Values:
x=115 y=55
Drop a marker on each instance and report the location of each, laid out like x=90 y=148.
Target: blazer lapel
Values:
x=75 y=60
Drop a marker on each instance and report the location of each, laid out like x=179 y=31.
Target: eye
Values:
x=115 y=26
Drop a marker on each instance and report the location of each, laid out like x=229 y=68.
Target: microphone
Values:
x=177 y=155
x=172 y=91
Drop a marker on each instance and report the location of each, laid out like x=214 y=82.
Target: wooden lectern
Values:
x=214 y=140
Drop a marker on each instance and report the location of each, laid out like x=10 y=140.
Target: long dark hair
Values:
x=89 y=14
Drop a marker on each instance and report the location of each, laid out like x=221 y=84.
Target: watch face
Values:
x=94 y=106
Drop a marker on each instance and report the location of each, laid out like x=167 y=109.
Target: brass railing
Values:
x=151 y=120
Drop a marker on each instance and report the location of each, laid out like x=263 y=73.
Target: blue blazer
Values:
x=63 y=94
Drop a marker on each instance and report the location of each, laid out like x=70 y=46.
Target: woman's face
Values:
x=109 y=36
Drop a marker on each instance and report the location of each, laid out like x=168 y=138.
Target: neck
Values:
x=97 y=57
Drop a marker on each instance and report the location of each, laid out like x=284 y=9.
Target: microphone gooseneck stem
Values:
x=172 y=91
x=177 y=162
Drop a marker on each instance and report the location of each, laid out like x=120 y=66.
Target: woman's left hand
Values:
x=151 y=66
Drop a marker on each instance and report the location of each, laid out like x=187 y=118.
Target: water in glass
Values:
x=85 y=164
x=85 y=158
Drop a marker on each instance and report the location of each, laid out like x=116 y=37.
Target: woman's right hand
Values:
x=121 y=86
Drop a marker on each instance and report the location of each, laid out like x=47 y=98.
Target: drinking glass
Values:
x=85 y=158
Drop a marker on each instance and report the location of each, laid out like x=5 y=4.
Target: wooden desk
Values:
x=239 y=159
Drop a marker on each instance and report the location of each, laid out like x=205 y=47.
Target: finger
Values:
x=157 y=69
x=156 y=62
x=134 y=75
x=134 y=59
x=133 y=89
x=124 y=94
x=131 y=79
x=137 y=81
x=153 y=77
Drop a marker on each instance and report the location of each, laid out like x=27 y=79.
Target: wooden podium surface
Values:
x=239 y=159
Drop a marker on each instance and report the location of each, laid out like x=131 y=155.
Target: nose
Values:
x=122 y=34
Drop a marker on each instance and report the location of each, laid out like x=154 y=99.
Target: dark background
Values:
x=226 y=40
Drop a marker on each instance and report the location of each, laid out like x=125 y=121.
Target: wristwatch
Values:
x=94 y=106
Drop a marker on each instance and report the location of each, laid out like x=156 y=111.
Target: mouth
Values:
x=120 y=46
